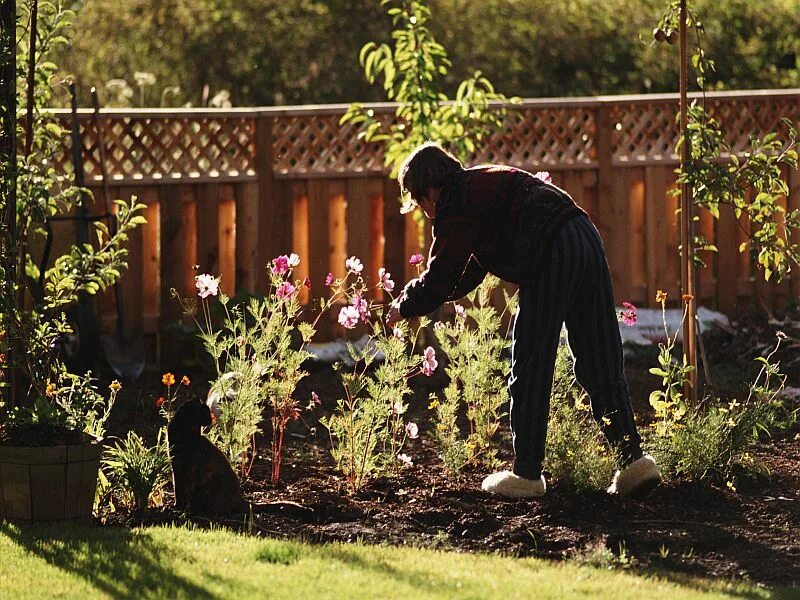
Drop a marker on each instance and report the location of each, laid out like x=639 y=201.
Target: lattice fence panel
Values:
x=167 y=148
x=648 y=131
x=543 y=137
x=318 y=144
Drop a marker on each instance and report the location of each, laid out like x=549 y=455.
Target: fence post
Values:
x=271 y=242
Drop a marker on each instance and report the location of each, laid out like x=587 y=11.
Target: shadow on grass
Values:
x=119 y=562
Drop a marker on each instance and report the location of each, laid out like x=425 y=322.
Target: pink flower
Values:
x=354 y=265
x=315 y=398
x=412 y=430
x=386 y=281
x=307 y=282
x=293 y=260
x=438 y=326
x=416 y=259
x=329 y=279
x=398 y=408
x=461 y=312
x=285 y=290
x=280 y=264
x=348 y=317
x=544 y=176
x=628 y=314
x=429 y=363
x=398 y=333
x=207 y=285
x=362 y=306
x=405 y=459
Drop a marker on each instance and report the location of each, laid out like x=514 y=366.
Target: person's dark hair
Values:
x=426 y=167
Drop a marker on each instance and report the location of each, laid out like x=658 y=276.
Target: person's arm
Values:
x=471 y=278
x=450 y=253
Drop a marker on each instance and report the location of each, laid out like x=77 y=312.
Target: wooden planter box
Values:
x=54 y=483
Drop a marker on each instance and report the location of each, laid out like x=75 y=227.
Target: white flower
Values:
x=386 y=280
x=294 y=260
x=405 y=459
x=412 y=430
x=398 y=408
x=398 y=333
x=354 y=265
x=207 y=285
x=348 y=317
x=461 y=312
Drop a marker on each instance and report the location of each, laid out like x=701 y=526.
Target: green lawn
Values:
x=167 y=562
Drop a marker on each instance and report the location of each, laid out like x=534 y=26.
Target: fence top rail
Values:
x=388 y=107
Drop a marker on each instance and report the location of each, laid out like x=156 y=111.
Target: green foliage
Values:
x=668 y=402
x=474 y=344
x=577 y=452
x=750 y=184
x=367 y=428
x=528 y=46
x=714 y=440
x=411 y=72
x=258 y=352
x=139 y=472
x=34 y=304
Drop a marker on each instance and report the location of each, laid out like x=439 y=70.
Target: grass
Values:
x=180 y=562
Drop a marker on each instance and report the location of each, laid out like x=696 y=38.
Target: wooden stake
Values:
x=687 y=233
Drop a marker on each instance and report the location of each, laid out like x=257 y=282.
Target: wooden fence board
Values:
x=226 y=234
x=362 y=194
x=174 y=238
x=247 y=237
x=656 y=234
x=208 y=226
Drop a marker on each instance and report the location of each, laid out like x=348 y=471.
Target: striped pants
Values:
x=573 y=287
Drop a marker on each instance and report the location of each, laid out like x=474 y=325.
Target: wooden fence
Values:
x=230 y=189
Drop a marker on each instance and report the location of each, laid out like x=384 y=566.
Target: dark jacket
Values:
x=489 y=219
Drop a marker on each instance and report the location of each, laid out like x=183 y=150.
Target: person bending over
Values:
x=506 y=221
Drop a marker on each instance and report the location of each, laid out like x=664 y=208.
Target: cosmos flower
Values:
x=207 y=285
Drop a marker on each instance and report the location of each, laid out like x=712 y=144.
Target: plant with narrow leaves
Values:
x=474 y=343
x=577 y=452
x=258 y=352
x=139 y=472
x=367 y=429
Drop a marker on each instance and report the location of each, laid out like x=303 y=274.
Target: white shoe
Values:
x=636 y=480
x=505 y=483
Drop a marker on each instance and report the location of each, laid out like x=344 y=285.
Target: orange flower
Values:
x=687 y=298
x=51 y=390
x=168 y=379
x=115 y=386
x=661 y=296
x=185 y=380
x=160 y=401
x=213 y=419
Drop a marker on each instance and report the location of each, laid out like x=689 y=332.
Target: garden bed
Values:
x=702 y=529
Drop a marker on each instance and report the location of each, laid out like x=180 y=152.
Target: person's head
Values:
x=424 y=170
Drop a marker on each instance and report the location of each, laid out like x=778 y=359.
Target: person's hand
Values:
x=393 y=316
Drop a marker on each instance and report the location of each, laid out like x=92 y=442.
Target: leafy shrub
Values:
x=474 y=344
x=139 y=471
x=37 y=296
x=577 y=451
x=367 y=428
x=258 y=358
x=714 y=440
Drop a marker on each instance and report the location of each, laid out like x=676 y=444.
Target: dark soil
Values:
x=683 y=528
x=36 y=436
